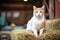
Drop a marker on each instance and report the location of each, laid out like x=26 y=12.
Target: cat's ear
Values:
x=43 y=7
x=34 y=7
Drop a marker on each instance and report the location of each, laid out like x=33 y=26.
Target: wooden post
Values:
x=51 y=9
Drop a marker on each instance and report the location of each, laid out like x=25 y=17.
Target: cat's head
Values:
x=38 y=12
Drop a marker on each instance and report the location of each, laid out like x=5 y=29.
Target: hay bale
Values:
x=27 y=35
x=53 y=24
x=23 y=35
x=51 y=35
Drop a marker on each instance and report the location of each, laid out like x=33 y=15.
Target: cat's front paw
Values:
x=40 y=33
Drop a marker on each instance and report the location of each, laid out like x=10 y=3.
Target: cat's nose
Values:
x=38 y=15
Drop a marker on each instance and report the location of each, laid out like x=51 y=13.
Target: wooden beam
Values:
x=51 y=9
x=17 y=1
x=16 y=7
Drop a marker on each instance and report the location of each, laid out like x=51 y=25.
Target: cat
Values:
x=37 y=22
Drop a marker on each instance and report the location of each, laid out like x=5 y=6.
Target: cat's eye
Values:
x=36 y=11
x=40 y=11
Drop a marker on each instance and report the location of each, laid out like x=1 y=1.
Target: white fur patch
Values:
x=35 y=22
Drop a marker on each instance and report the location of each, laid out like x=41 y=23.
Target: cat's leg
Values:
x=41 y=31
x=35 y=32
x=29 y=28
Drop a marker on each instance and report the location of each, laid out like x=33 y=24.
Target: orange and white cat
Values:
x=37 y=22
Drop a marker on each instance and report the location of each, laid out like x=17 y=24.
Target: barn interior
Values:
x=14 y=14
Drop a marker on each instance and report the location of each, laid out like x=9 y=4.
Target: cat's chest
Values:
x=38 y=22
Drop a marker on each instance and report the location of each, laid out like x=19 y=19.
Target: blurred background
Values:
x=18 y=12
x=14 y=15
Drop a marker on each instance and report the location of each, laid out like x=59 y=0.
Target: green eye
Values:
x=40 y=11
x=36 y=11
